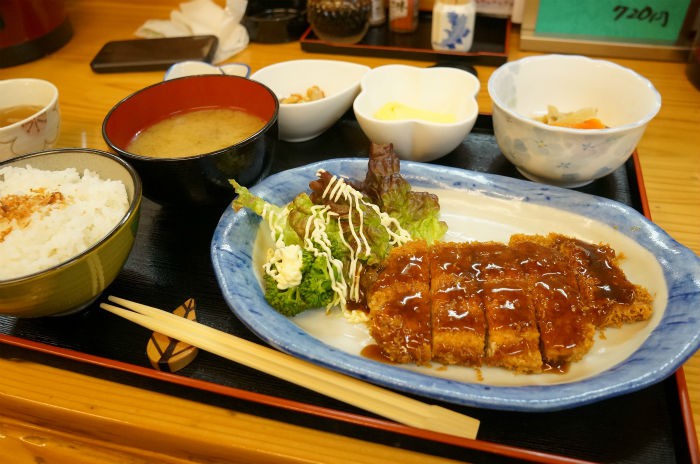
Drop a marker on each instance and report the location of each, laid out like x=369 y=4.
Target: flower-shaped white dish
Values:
x=446 y=91
x=568 y=157
x=339 y=81
x=481 y=206
x=194 y=68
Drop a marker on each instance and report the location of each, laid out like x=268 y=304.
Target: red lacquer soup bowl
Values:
x=172 y=169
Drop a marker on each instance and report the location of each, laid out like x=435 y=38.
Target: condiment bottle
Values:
x=453 y=25
x=341 y=21
x=403 y=15
x=378 y=14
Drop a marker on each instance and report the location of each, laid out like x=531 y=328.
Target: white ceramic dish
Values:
x=195 y=68
x=438 y=89
x=485 y=207
x=626 y=102
x=339 y=80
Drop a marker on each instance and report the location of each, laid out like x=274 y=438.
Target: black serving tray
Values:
x=170 y=262
x=490 y=46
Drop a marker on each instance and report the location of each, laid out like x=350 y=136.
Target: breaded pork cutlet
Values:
x=458 y=320
x=399 y=303
x=566 y=333
x=536 y=301
x=513 y=339
x=612 y=299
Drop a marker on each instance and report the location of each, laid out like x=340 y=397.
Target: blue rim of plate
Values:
x=668 y=346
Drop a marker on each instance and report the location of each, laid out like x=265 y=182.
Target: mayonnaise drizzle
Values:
x=276 y=222
x=338 y=189
x=316 y=240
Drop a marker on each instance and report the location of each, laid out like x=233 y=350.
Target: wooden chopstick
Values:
x=344 y=388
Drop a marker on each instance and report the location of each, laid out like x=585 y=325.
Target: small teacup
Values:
x=29 y=116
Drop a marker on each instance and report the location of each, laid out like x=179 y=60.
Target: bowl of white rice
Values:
x=68 y=220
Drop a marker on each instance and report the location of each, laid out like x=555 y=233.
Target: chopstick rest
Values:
x=369 y=397
x=168 y=354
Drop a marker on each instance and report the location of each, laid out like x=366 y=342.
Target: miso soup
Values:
x=195 y=132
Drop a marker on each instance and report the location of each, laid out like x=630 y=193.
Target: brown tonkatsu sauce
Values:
x=564 y=324
x=612 y=283
x=531 y=305
x=403 y=290
x=458 y=320
x=603 y=284
x=375 y=353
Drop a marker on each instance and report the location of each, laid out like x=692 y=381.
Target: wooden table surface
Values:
x=51 y=415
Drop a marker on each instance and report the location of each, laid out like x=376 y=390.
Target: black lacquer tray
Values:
x=170 y=262
x=490 y=47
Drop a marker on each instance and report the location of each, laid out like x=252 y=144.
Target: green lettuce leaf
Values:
x=417 y=212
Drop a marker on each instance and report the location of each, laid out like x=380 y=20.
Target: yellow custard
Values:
x=395 y=111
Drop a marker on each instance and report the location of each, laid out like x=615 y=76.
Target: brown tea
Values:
x=17 y=113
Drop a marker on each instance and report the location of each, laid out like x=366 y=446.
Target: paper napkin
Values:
x=200 y=17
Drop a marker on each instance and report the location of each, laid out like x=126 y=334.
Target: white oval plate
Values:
x=484 y=207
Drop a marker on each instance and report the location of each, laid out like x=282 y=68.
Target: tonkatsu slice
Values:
x=458 y=320
x=612 y=299
x=513 y=339
x=400 y=307
x=566 y=331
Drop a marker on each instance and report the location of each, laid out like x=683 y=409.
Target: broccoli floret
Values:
x=287 y=302
x=314 y=290
x=315 y=287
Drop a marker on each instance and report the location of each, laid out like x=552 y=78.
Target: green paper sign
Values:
x=654 y=21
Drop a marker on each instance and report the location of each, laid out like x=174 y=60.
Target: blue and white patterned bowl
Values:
x=521 y=90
